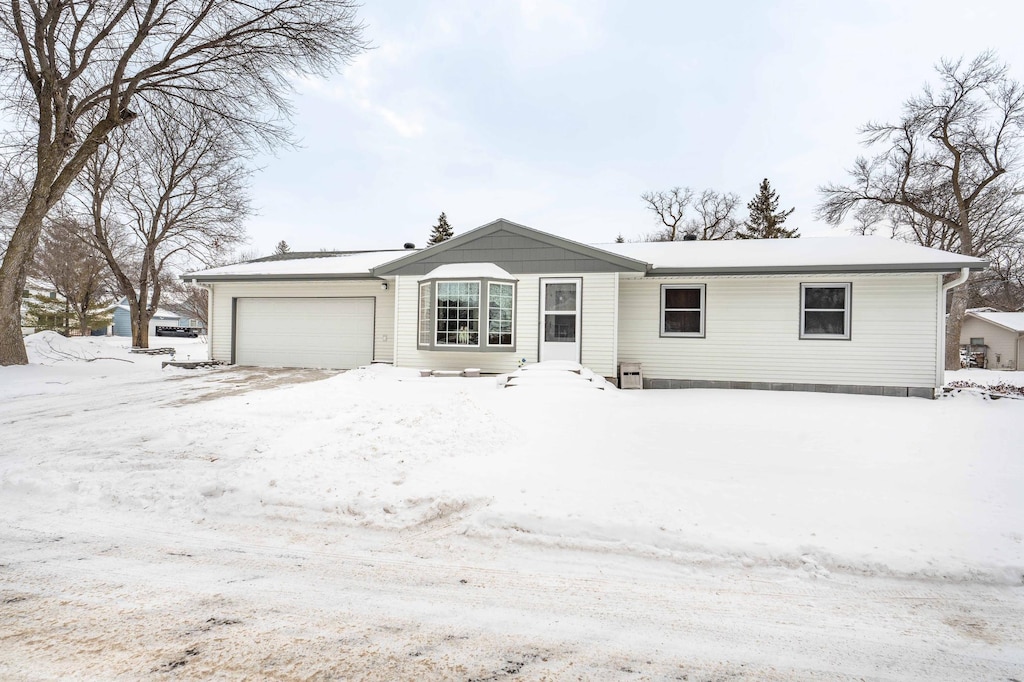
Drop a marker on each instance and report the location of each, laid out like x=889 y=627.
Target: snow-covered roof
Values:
x=1012 y=321
x=343 y=266
x=739 y=256
x=160 y=313
x=835 y=254
x=456 y=270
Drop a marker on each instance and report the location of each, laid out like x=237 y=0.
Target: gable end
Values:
x=515 y=248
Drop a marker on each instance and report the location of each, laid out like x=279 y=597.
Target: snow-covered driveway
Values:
x=375 y=525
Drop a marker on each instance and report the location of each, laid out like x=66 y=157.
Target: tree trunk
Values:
x=140 y=325
x=13 y=272
x=954 y=321
x=82 y=312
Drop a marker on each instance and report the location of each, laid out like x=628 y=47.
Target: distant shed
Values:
x=1003 y=333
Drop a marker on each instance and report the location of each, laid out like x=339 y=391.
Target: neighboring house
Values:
x=850 y=314
x=35 y=288
x=1002 y=333
x=122 y=324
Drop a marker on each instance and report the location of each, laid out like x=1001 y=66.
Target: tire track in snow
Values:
x=857 y=625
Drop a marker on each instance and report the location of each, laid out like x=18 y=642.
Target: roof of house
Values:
x=160 y=313
x=754 y=256
x=1012 y=321
x=345 y=266
x=457 y=270
x=806 y=254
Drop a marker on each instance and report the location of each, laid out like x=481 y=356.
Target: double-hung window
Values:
x=682 y=310
x=500 y=312
x=825 y=311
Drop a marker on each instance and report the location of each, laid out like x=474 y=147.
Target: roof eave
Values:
x=998 y=324
x=312 y=277
x=818 y=269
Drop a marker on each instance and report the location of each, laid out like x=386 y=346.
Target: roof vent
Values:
x=410 y=245
x=689 y=237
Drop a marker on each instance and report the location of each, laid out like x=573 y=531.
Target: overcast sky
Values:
x=558 y=114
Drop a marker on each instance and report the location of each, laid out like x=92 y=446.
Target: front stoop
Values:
x=553 y=374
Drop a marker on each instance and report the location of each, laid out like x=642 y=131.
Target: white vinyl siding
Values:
x=383 y=328
x=597 y=333
x=752 y=332
x=1001 y=342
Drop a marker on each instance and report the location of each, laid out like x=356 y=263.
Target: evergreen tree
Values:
x=282 y=248
x=46 y=313
x=441 y=232
x=765 y=221
x=620 y=239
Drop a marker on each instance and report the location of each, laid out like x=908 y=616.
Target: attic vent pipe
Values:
x=689 y=237
x=410 y=245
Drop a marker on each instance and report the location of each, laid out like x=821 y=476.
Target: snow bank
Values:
x=814 y=482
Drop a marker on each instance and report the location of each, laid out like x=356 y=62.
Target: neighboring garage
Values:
x=330 y=333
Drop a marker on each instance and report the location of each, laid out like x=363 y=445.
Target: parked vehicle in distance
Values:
x=192 y=332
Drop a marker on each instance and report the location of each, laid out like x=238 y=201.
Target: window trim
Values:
x=702 y=288
x=482 y=345
x=512 y=333
x=847 y=310
x=436 y=306
x=428 y=285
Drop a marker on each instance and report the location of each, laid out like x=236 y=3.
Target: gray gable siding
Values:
x=518 y=254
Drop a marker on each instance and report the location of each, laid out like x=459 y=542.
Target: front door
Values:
x=560 y=319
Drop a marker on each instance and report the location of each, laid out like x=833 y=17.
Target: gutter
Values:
x=940 y=378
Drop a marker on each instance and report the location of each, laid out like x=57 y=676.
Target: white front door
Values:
x=560 y=319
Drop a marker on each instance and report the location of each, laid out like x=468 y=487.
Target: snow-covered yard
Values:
x=377 y=525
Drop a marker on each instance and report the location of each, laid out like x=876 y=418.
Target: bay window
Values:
x=469 y=315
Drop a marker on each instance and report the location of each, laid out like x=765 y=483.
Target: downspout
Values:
x=941 y=369
x=209 y=317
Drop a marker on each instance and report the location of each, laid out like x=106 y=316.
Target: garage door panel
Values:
x=335 y=333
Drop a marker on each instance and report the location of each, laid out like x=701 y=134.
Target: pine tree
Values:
x=282 y=248
x=441 y=232
x=765 y=221
x=620 y=239
x=45 y=313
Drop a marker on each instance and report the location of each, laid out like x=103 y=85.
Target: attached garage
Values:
x=330 y=333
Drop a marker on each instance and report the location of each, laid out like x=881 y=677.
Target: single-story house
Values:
x=122 y=322
x=851 y=314
x=1002 y=333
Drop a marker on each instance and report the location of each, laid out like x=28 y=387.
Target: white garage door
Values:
x=335 y=333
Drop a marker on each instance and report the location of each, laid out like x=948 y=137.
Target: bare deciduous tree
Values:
x=75 y=271
x=175 y=189
x=716 y=215
x=944 y=172
x=76 y=72
x=713 y=214
x=670 y=208
x=191 y=299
